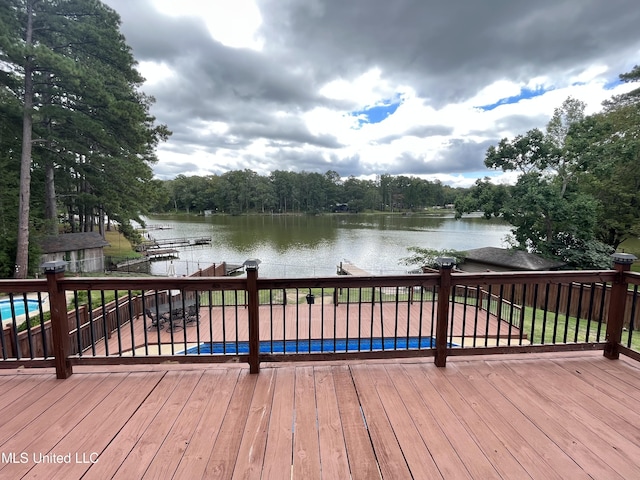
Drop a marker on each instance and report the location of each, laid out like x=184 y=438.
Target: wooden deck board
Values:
x=126 y=440
x=225 y=451
x=254 y=438
x=500 y=440
x=388 y=452
x=306 y=447
x=442 y=407
x=279 y=447
x=543 y=416
x=194 y=461
x=333 y=453
x=360 y=452
x=597 y=455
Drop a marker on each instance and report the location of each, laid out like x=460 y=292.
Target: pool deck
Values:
x=328 y=321
x=540 y=416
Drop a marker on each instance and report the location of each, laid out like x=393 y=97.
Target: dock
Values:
x=153 y=243
x=160 y=254
x=346 y=268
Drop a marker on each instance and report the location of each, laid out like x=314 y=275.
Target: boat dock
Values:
x=152 y=243
x=346 y=268
x=160 y=254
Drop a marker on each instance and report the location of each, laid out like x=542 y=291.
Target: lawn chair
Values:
x=155 y=323
x=193 y=315
x=175 y=320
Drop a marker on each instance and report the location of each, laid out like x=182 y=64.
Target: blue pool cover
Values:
x=339 y=345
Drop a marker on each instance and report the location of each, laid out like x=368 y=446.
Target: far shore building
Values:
x=83 y=252
x=505 y=260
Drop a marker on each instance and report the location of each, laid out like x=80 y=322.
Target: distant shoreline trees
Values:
x=244 y=191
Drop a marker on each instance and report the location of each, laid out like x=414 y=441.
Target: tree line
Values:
x=244 y=191
x=577 y=197
x=74 y=125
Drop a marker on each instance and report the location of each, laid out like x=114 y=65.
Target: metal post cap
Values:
x=623 y=258
x=54 y=267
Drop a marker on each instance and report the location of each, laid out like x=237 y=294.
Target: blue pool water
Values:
x=317 y=346
x=5 y=307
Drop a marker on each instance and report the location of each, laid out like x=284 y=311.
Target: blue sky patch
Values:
x=525 y=93
x=376 y=113
x=612 y=84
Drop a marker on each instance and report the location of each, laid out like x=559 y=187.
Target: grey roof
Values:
x=513 y=259
x=69 y=242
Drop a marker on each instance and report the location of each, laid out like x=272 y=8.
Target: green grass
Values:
x=119 y=247
x=539 y=332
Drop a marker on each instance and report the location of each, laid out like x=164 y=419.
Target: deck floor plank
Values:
x=433 y=391
x=126 y=440
x=486 y=378
x=222 y=461
x=31 y=404
x=306 y=444
x=43 y=433
x=568 y=455
x=254 y=438
x=360 y=451
x=445 y=456
x=150 y=442
x=504 y=442
x=97 y=429
x=166 y=461
x=537 y=416
x=193 y=462
x=414 y=449
x=388 y=452
x=333 y=453
x=506 y=462
x=279 y=447
x=613 y=449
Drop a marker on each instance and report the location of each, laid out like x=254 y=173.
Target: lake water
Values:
x=302 y=246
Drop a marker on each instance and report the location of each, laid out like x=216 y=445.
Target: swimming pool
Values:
x=339 y=345
x=18 y=303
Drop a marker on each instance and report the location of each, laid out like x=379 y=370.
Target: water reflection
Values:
x=301 y=245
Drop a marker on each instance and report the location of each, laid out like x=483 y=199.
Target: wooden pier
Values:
x=160 y=254
x=346 y=268
x=152 y=244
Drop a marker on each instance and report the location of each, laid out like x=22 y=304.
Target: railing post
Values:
x=442 y=318
x=59 y=318
x=251 y=267
x=617 y=303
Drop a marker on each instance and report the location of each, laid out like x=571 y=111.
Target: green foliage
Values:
x=95 y=139
x=429 y=257
x=578 y=193
x=239 y=192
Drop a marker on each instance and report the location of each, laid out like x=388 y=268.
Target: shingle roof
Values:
x=69 y=242
x=514 y=259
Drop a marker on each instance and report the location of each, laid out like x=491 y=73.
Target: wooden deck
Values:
x=292 y=321
x=545 y=416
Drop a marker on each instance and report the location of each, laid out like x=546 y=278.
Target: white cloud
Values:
x=233 y=23
x=303 y=67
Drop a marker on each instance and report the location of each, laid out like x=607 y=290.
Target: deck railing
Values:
x=255 y=320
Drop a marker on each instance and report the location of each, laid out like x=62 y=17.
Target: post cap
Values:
x=623 y=258
x=58 y=266
x=446 y=262
x=251 y=264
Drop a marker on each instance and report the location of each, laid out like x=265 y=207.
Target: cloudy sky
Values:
x=366 y=87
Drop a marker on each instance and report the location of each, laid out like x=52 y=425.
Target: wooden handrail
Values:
x=57 y=285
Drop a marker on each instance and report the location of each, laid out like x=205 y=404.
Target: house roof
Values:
x=69 y=242
x=512 y=259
